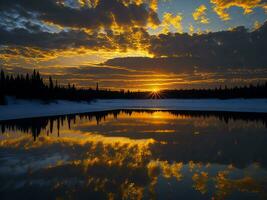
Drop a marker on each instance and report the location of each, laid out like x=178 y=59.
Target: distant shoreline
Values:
x=32 y=86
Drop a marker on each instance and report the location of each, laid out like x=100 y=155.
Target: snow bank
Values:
x=24 y=109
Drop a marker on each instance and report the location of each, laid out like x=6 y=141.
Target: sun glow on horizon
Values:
x=155 y=90
x=155 y=93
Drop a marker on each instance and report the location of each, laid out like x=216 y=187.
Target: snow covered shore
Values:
x=24 y=109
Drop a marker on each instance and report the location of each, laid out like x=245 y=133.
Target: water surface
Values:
x=140 y=154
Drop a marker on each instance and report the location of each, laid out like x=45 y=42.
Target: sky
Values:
x=136 y=44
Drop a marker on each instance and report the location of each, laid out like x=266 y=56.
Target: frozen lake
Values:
x=24 y=109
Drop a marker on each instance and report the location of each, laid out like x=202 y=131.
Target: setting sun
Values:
x=155 y=93
x=155 y=90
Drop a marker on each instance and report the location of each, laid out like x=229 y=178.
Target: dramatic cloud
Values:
x=46 y=40
x=237 y=48
x=69 y=38
x=200 y=14
x=45 y=28
x=39 y=43
x=96 y=15
x=221 y=6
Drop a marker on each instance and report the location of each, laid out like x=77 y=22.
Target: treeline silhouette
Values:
x=53 y=124
x=32 y=86
x=251 y=91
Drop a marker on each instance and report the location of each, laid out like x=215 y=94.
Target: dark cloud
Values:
x=104 y=14
x=22 y=26
x=46 y=40
x=177 y=53
x=32 y=41
x=237 y=48
x=107 y=70
x=170 y=64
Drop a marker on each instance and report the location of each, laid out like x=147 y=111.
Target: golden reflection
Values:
x=200 y=182
x=120 y=167
x=106 y=161
x=225 y=186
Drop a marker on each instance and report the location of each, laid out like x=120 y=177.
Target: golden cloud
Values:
x=221 y=6
x=172 y=21
x=200 y=14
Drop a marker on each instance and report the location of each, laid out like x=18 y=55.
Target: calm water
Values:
x=135 y=155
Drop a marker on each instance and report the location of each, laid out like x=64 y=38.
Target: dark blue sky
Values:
x=187 y=7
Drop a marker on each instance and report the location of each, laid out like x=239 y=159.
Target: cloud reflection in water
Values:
x=134 y=155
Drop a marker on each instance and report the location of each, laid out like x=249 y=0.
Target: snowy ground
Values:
x=23 y=109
